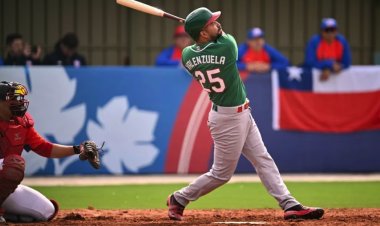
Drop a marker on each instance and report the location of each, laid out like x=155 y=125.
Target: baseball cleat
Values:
x=2 y=220
x=175 y=211
x=303 y=212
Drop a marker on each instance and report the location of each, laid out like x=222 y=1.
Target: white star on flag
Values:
x=295 y=73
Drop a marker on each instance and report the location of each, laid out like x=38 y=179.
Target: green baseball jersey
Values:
x=214 y=65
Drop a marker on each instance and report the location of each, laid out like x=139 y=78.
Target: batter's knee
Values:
x=13 y=169
x=221 y=175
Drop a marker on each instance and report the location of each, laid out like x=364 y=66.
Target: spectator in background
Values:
x=20 y=53
x=65 y=52
x=1 y=61
x=172 y=56
x=257 y=56
x=328 y=51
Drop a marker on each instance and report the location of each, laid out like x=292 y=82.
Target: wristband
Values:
x=76 y=149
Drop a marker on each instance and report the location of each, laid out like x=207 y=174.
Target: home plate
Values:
x=241 y=222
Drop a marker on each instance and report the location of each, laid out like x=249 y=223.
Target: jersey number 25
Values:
x=212 y=80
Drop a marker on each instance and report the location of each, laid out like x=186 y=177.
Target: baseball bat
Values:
x=142 y=7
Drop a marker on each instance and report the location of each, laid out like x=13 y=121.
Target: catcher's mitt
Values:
x=89 y=151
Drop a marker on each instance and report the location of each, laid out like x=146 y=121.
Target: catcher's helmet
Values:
x=14 y=93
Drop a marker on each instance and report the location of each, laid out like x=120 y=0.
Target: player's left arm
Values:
x=278 y=61
x=88 y=150
x=38 y=144
x=60 y=151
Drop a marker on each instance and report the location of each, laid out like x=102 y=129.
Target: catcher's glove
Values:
x=88 y=150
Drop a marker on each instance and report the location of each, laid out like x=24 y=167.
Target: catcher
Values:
x=19 y=203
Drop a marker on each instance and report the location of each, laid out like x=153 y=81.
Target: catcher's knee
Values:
x=28 y=205
x=53 y=211
x=13 y=169
x=47 y=212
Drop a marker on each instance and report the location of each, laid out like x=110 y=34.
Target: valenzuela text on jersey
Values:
x=204 y=59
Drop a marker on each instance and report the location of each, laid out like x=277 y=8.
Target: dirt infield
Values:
x=210 y=217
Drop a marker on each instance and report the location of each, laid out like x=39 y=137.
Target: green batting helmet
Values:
x=198 y=19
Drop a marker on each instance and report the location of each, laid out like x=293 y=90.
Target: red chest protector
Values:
x=13 y=135
x=256 y=56
x=330 y=51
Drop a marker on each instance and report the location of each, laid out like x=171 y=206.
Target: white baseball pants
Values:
x=235 y=134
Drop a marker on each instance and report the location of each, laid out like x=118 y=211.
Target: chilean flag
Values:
x=346 y=102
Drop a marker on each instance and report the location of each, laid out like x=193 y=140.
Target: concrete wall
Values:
x=108 y=32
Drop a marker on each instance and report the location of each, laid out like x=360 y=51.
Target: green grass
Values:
x=230 y=196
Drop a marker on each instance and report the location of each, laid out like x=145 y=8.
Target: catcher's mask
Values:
x=14 y=94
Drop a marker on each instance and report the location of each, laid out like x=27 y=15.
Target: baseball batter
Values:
x=212 y=61
x=19 y=203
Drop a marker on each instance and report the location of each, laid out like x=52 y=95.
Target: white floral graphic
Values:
x=52 y=89
x=128 y=133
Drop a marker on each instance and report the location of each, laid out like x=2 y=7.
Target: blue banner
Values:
x=145 y=115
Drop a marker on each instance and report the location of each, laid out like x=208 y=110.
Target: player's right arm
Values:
x=184 y=60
